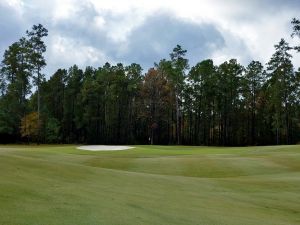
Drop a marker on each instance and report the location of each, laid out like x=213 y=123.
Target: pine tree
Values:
x=38 y=48
x=179 y=65
x=281 y=86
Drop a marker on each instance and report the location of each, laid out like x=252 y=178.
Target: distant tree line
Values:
x=173 y=103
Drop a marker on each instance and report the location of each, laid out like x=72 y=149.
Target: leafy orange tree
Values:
x=30 y=126
x=156 y=100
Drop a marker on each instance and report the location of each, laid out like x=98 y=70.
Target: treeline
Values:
x=172 y=103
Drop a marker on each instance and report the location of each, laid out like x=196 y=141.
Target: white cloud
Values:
x=72 y=52
x=64 y=9
x=99 y=22
x=15 y=4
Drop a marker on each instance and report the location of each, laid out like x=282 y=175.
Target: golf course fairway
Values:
x=149 y=185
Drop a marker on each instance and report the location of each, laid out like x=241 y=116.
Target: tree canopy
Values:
x=172 y=103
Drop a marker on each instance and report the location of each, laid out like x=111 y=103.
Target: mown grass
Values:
x=60 y=185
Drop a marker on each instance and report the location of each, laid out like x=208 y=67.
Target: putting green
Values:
x=164 y=185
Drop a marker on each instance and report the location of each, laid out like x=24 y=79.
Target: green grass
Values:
x=153 y=185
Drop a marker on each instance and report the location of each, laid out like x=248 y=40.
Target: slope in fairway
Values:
x=62 y=185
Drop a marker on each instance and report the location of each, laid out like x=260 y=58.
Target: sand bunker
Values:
x=103 y=148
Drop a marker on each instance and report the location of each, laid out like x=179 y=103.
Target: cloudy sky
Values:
x=92 y=32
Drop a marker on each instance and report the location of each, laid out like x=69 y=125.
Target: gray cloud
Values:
x=160 y=33
x=279 y=4
x=148 y=43
x=11 y=28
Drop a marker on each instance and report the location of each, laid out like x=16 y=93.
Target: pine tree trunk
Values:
x=177 y=118
x=38 y=92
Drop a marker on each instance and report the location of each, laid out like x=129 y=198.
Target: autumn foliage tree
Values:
x=156 y=97
x=30 y=125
